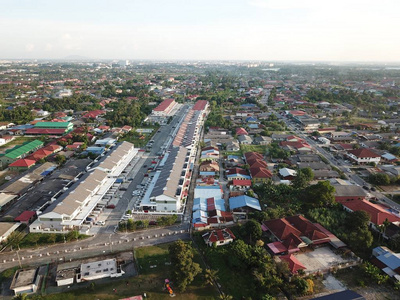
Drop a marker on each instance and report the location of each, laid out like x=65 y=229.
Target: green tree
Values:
x=252 y=229
x=319 y=195
x=184 y=269
x=303 y=178
x=358 y=219
x=210 y=276
x=21 y=297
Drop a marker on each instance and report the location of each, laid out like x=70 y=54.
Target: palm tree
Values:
x=225 y=297
x=210 y=276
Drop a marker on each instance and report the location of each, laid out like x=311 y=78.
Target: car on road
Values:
x=373 y=189
x=112 y=206
x=144 y=166
x=366 y=188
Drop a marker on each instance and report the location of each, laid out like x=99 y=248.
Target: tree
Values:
x=379 y=179
x=252 y=229
x=358 y=220
x=60 y=159
x=319 y=195
x=360 y=240
x=210 y=276
x=21 y=297
x=184 y=269
x=303 y=178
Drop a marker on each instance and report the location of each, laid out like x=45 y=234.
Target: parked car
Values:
x=100 y=223
x=373 y=189
x=112 y=206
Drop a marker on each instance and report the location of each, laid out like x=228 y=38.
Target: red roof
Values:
x=23 y=163
x=296 y=145
x=25 y=216
x=241 y=131
x=236 y=171
x=290 y=229
x=253 y=155
x=377 y=212
x=164 y=105
x=294 y=264
x=93 y=114
x=245 y=182
x=56 y=131
x=363 y=152
x=200 y=105
x=258 y=172
x=257 y=163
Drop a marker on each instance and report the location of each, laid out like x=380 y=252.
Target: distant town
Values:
x=199 y=180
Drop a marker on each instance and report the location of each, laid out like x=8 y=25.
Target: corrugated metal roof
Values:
x=24 y=149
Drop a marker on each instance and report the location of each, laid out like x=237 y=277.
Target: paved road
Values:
x=343 y=166
x=98 y=245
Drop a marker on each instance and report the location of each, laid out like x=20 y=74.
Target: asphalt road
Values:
x=95 y=246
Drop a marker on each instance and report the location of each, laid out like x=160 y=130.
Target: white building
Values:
x=25 y=281
x=73 y=207
x=99 y=269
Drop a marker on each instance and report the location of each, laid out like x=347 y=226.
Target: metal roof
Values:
x=19 y=151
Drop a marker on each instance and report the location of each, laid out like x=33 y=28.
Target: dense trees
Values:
x=303 y=178
x=184 y=270
x=275 y=151
x=379 y=179
x=252 y=230
x=319 y=195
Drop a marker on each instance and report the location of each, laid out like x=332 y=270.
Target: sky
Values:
x=256 y=30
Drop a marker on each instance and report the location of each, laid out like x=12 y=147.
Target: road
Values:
x=341 y=165
x=95 y=246
x=106 y=239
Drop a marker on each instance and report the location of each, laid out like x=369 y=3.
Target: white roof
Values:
x=287 y=172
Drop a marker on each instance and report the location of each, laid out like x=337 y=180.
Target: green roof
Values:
x=53 y=124
x=23 y=149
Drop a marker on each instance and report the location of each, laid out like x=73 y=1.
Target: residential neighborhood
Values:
x=276 y=186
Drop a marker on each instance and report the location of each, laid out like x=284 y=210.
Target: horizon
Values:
x=241 y=30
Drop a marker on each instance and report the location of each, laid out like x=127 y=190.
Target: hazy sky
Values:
x=341 y=30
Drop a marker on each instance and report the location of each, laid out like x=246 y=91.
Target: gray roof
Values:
x=349 y=190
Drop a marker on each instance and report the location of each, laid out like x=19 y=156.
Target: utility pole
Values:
x=19 y=260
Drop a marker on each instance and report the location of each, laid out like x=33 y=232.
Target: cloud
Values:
x=29 y=47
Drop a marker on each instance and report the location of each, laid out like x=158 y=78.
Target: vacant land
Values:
x=154 y=268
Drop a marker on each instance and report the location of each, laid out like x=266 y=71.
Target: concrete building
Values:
x=6 y=228
x=25 y=281
x=99 y=269
x=72 y=208
x=164 y=108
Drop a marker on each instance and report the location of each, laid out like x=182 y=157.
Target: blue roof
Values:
x=390 y=260
x=233 y=157
x=251 y=119
x=205 y=173
x=248 y=105
x=343 y=295
x=242 y=201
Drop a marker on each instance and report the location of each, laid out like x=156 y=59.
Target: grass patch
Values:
x=149 y=281
x=253 y=148
x=42 y=239
x=139 y=139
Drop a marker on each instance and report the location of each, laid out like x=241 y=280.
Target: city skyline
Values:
x=253 y=30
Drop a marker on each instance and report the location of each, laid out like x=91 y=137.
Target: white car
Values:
x=101 y=223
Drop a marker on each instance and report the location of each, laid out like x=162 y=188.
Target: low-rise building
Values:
x=218 y=237
x=25 y=281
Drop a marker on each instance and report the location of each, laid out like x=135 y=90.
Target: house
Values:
x=292 y=233
x=260 y=174
x=293 y=263
x=363 y=156
x=241 y=131
x=245 y=139
x=300 y=147
x=287 y=174
x=378 y=213
x=387 y=261
x=207 y=166
x=22 y=164
x=232 y=146
x=237 y=174
x=349 y=192
x=6 y=228
x=262 y=140
x=219 y=237
x=241 y=184
x=388 y=157
x=26 y=217
x=25 y=281
x=243 y=204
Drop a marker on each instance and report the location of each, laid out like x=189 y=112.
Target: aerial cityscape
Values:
x=178 y=151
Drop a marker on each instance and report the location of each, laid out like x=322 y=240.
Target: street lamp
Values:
x=109 y=238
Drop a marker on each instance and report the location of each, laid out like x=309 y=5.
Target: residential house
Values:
x=287 y=174
x=245 y=139
x=387 y=261
x=262 y=140
x=349 y=192
x=293 y=233
x=218 y=237
x=363 y=156
x=241 y=205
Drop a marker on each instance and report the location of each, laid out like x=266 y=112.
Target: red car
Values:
x=112 y=206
